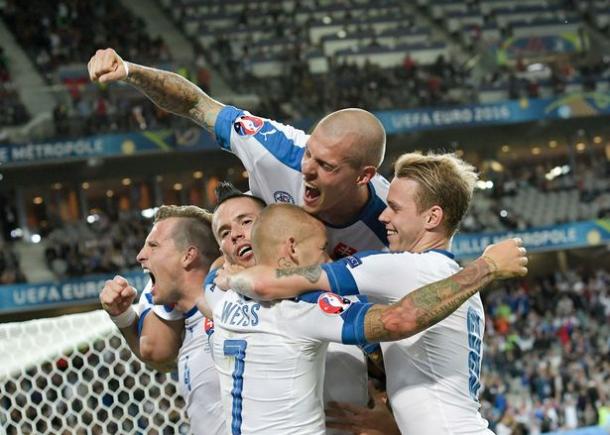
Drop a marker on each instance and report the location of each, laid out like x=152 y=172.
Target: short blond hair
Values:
x=196 y=230
x=444 y=180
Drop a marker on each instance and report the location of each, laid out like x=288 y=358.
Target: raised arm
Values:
x=429 y=305
x=168 y=90
x=158 y=342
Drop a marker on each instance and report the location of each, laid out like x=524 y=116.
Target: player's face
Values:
x=404 y=225
x=162 y=259
x=330 y=181
x=232 y=225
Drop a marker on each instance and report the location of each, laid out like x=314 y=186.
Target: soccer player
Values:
x=433 y=377
x=332 y=173
x=345 y=378
x=169 y=330
x=270 y=354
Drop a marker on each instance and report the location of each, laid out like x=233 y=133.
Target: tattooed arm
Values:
x=267 y=283
x=168 y=90
x=429 y=305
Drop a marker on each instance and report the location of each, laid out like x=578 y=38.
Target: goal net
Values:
x=75 y=374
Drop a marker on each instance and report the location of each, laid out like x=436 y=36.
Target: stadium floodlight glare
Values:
x=503 y=213
x=484 y=184
x=17 y=233
x=35 y=238
x=149 y=213
x=556 y=172
x=93 y=218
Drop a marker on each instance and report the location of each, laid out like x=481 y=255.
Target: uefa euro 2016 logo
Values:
x=248 y=125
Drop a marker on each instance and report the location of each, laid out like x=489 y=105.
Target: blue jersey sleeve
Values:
x=340 y=278
x=333 y=318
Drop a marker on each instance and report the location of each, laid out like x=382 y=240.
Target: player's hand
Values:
x=223 y=276
x=117 y=295
x=361 y=420
x=106 y=66
x=507 y=258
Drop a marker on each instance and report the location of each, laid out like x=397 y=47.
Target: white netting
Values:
x=75 y=375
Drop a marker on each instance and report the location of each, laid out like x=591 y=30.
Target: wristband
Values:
x=124 y=319
x=126 y=68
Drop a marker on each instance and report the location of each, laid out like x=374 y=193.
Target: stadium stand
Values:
x=546 y=365
x=546 y=344
x=12 y=110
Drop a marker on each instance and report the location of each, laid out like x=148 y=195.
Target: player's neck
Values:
x=348 y=211
x=430 y=242
x=191 y=290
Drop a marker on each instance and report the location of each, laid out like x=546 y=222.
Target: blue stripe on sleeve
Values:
x=341 y=280
x=141 y=320
x=353 y=328
x=280 y=146
x=224 y=125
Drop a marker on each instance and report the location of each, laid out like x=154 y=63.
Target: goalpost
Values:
x=75 y=374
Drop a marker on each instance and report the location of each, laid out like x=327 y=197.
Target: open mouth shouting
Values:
x=311 y=194
x=152 y=279
x=244 y=252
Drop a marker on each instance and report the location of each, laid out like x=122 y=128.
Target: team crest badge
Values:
x=332 y=303
x=342 y=250
x=281 y=196
x=248 y=125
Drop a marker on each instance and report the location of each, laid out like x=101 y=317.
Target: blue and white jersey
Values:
x=345 y=367
x=271 y=153
x=433 y=378
x=270 y=357
x=199 y=383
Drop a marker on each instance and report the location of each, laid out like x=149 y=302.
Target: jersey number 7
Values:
x=236 y=349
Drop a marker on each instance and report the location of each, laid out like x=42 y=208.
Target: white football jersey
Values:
x=345 y=367
x=271 y=153
x=270 y=357
x=199 y=383
x=433 y=378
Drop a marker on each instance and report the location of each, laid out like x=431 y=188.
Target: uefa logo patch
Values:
x=281 y=196
x=248 y=125
x=332 y=303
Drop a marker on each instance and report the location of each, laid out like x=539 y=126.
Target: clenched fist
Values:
x=507 y=258
x=106 y=66
x=117 y=296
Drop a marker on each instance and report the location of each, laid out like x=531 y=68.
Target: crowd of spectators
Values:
x=101 y=246
x=546 y=363
x=10 y=269
x=12 y=110
x=585 y=186
x=61 y=32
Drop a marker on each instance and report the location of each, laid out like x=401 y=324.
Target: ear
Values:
x=190 y=257
x=367 y=173
x=291 y=245
x=434 y=218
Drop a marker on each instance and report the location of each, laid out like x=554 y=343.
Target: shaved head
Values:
x=364 y=132
x=276 y=224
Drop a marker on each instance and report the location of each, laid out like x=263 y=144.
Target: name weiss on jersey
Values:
x=240 y=314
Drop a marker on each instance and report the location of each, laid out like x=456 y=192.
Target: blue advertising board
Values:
x=552 y=238
x=42 y=296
